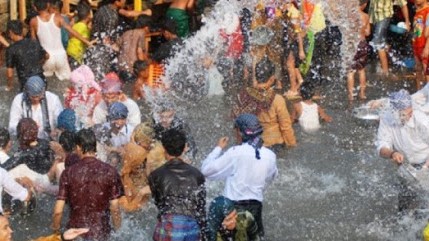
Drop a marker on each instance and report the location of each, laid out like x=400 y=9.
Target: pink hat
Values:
x=83 y=77
x=111 y=83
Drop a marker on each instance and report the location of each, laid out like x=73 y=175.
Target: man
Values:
x=38 y=104
x=270 y=107
x=179 y=193
x=169 y=48
x=92 y=190
x=25 y=55
x=111 y=89
x=403 y=136
x=247 y=168
x=403 y=133
x=380 y=13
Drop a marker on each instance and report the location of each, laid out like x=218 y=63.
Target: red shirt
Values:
x=419 y=24
x=88 y=187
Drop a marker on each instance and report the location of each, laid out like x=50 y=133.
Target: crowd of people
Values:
x=95 y=155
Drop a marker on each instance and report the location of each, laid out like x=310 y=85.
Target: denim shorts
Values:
x=380 y=31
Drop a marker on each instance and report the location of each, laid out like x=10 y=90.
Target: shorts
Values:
x=418 y=51
x=57 y=64
x=176 y=228
x=380 y=32
x=361 y=57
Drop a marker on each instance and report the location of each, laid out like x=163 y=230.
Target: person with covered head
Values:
x=111 y=89
x=225 y=223
x=262 y=100
x=38 y=104
x=142 y=155
x=83 y=95
x=403 y=133
x=248 y=168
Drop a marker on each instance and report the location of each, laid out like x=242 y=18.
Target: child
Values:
x=360 y=60
x=307 y=112
x=420 y=41
x=75 y=47
x=24 y=55
x=55 y=7
x=147 y=75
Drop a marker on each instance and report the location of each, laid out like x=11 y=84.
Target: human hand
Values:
x=408 y=25
x=397 y=157
x=73 y=233
x=25 y=182
x=145 y=190
x=425 y=53
x=301 y=55
x=223 y=142
x=230 y=221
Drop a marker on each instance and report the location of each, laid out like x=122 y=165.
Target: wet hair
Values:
x=83 y=11
x=58 y=4
x=174 y=142
x=264 y=70
x=140 y=65
x=170 y=25
x=40 y=4
x=306 y=90
x=15 y=26
x=143 y=21
x=4 y=137
x=68 y=141
x=86 y=140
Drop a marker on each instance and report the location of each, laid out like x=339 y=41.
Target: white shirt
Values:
x=134 y=116
x=123 y=136
x=411 y=139
x=246 y=177
x=11 y=187
x=3 y=156
x=18 y=111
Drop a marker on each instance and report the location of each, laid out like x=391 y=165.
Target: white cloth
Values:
x=18 y=111
x=309 y=118
x=40 y=180
x=134 y=115
x=411 y=139
x=3 y=156
x=246 y=177
x=123 y=136
x=49 y=35
x=8 y=183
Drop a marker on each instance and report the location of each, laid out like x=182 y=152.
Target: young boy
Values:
x=179 y=193
x=47 y=28
x=25 y=55
x=76 y=48
x=420 y=41
x=147 y=75
x=307 y=112
x=360 y=59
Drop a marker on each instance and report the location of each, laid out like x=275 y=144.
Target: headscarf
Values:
x=143 y=133
x=27 y=132
x=117 y=110
x=35 y=86
x=251 y=131
x=400 y=100
x=220 y=207
x=111 y=83
x=84 y=78
x=67 y=120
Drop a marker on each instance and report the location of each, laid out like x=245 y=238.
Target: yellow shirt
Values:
x=76 y=48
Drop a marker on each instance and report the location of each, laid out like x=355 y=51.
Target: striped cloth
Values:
x=176 y=228
x=382 y=9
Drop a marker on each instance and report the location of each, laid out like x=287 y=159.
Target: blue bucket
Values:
x=409 y=63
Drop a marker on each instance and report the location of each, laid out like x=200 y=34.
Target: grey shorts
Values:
x=380 y=31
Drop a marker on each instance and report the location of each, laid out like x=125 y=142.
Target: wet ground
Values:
x=332 y=186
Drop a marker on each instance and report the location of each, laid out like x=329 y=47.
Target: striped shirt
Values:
x=382 y=9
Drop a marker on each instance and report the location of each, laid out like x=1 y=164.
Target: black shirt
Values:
x=27 y=56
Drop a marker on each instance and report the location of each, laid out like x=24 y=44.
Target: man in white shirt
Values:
x=403 y=133
x=248 y=168
x=38 y=104
x=111 y=88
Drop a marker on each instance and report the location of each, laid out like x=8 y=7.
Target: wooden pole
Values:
x=22 y=10
x=13 y=9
